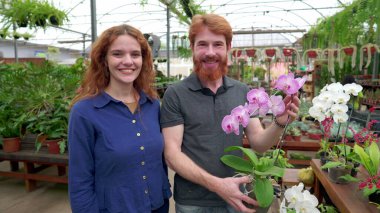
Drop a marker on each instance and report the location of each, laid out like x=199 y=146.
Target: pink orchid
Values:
x=230 y=124
x=241 y=114
x=252 y=109
x=257 y=96
x=276 y=104
x=288 y=84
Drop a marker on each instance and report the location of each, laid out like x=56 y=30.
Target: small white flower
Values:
x=335 y=87
x=341 y=98
x=353 y=89
x=317 y=113
x=299 y=200
x=294 y=195
x=339 y=108
x=340 y=117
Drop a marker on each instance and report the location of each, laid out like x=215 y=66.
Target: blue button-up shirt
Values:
x=116 y=162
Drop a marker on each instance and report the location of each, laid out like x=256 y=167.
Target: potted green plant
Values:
x=296 y=134
x=369 y=157
x=315 y=134
x=16 y=35
x=26 y=36
x=17 y=11
x=259 y=169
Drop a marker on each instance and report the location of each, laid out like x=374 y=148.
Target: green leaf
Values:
x=263 y=191
x=331 y=164
x=247 y=151
x=364 y=159
x=374 y=155
x=273 y=171
x=237 y=163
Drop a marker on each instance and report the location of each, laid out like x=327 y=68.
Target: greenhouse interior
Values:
x=251 y=106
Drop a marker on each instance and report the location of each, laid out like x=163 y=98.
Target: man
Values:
x=191 y=116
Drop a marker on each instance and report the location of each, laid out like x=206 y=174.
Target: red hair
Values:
x=97 y=76
x=215 y=23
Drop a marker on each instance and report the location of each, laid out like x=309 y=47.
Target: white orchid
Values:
x=335 y=87
x=341 y=98
x=352 y=89
x=340 y=117
x=299 y=200
x=339 y=108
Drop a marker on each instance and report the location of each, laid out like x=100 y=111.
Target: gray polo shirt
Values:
x=201 y=112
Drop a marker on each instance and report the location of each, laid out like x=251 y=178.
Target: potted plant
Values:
x=315 y=134
x=26 y=36
x=260 y=169
x=4 y=33
x=296 y=134
x=369 y=157
x=10 y=128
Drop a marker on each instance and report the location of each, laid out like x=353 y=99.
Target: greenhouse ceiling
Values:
x=292 y=17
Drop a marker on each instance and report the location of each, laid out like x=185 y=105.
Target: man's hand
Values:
x=228 y=189
x=291 y=109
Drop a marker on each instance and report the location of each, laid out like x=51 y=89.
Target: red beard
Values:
x=210 y=75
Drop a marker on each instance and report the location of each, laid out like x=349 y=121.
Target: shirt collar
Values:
x=103 y=99
x=193 y=82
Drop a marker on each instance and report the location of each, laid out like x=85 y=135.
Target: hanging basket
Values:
x=270 y=52
x=287 y=52
x=250 y=52
x=312 y=54
x=348 y=51
x=373 y=50
x=236 y=53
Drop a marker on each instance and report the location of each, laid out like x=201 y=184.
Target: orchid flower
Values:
x=241 y=114
x=277 y=105
x=288 y=84
x=299 y=200
x=230 y=124
x=352 y=89
x=257 y=96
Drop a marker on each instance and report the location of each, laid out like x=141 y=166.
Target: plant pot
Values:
x=336 y=172
x=11 y=144
x=354 y=170
x=287 y=52
x=250 y=52
x=374 y=198
x=315 y=136
x=53 y=146
x=270 y=52
x=324 y=157
x=348 y=51
x=312 y=54
x=41 y=22
x=22 y=23
x=297 y=138
x=288 y=138
x=54 y=20
x=253 y=196
x=373 y=50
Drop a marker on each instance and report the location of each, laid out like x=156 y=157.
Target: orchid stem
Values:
x=280 y=142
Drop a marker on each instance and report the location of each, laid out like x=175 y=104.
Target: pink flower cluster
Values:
x=327 y=124
x=364 y=136
x=370 y=182
x=259 y=103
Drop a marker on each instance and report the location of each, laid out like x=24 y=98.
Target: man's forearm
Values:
x=186 y=167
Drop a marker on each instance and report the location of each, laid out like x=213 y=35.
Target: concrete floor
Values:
x=47 y=198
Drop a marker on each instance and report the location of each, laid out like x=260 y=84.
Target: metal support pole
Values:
x=84 y=46
x=15 y=43
x=93 y=21
x=168 y=41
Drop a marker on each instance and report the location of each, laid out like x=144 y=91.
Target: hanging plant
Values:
x=310 y=53
x=235 y=53
x=4 y=33
x=16 y=35
x=369 y=49
x=332 y=55
x=269 y=53
x=288 y=53
x=348 y=51
x=26 y=36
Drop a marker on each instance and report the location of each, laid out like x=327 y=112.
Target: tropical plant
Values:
x=260 y=169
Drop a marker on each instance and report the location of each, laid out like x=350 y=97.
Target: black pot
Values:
x=54 y=20
x=41 y=22
x=22 y=23
x=354 y=171
x=374 y=198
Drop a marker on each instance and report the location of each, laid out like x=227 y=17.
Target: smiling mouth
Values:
x=126 y=71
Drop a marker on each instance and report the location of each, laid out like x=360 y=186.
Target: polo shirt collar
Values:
x=194 y=83
x=103 y=99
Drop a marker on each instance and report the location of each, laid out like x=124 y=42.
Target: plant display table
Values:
x=33 y=163
x=346 y=197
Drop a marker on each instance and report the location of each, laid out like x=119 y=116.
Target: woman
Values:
x=115 y=143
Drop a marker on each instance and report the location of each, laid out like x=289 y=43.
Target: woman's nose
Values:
x=127 y=59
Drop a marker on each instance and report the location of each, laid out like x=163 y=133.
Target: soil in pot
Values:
x=11 y=144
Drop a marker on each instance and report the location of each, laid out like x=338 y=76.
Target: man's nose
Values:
x=210 y=50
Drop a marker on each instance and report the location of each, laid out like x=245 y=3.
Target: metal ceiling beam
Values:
x=240 y=32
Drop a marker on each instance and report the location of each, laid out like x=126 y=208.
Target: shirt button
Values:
x=146 y=191
x=142 y=163
x=144 y=177
x=134 y=121
x=138 y=134
x=142 y=148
